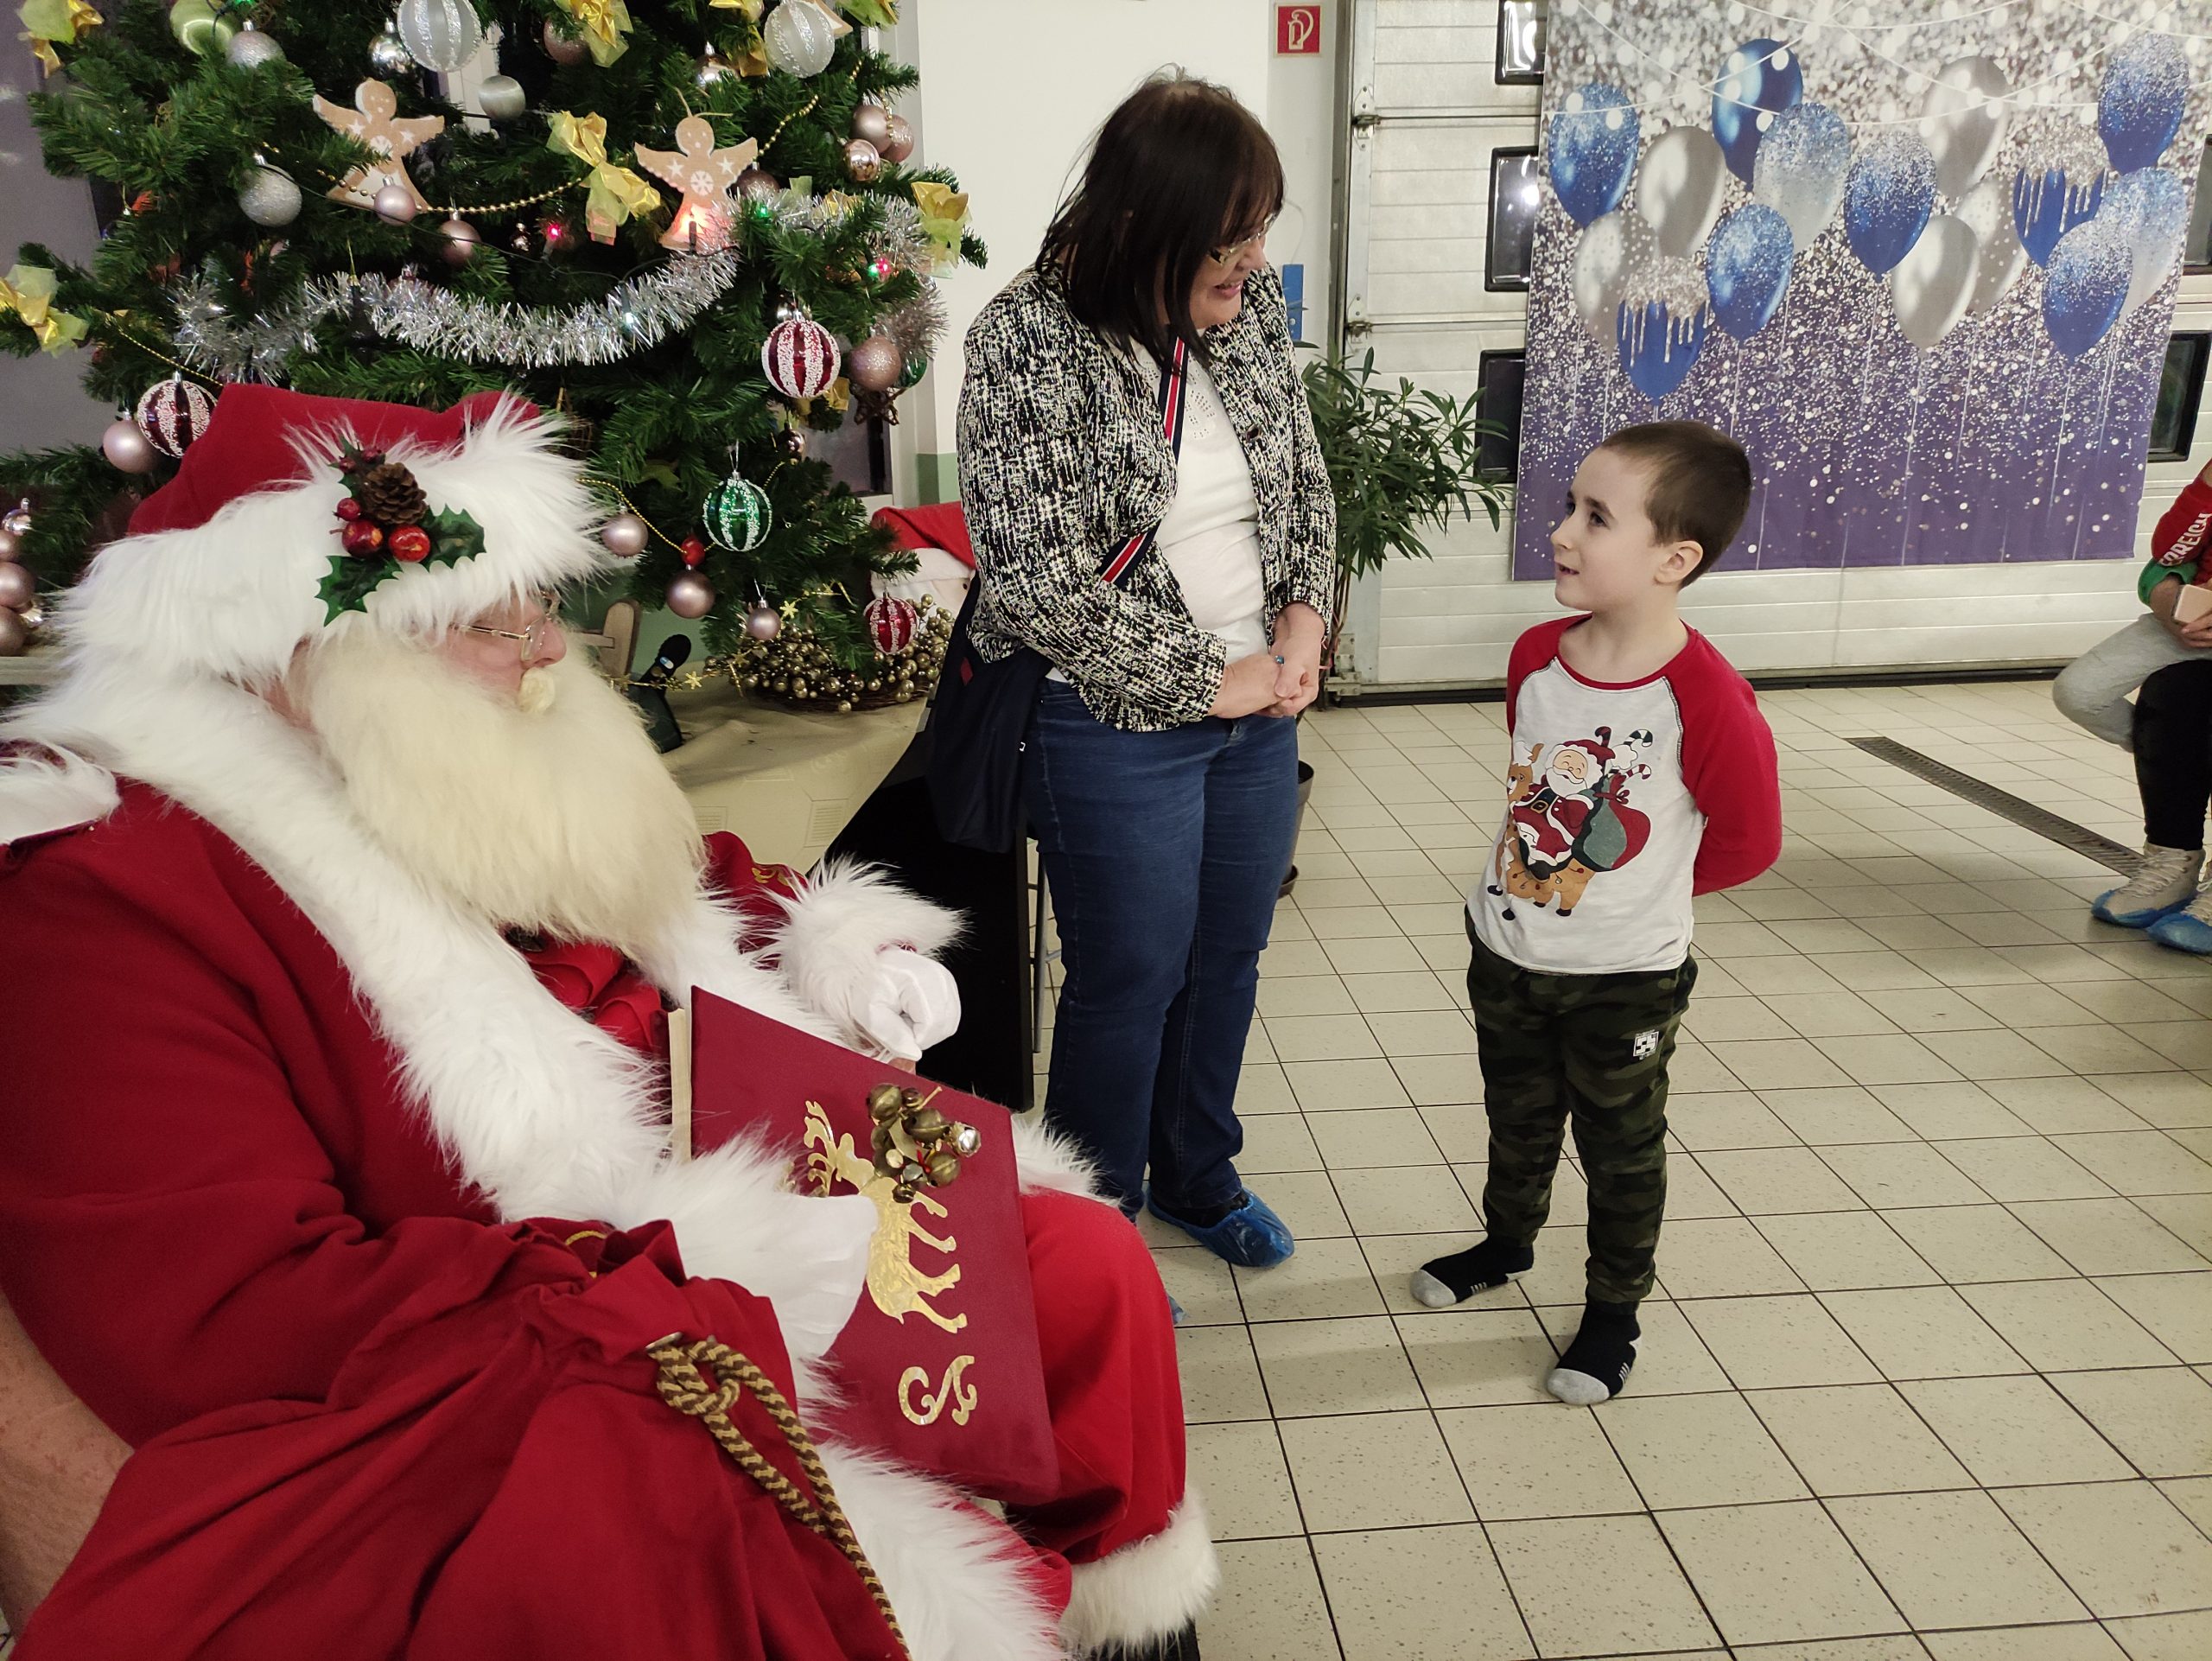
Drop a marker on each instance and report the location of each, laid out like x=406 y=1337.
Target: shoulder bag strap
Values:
x=1174 y=387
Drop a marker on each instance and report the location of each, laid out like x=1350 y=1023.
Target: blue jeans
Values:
x=1164 y=852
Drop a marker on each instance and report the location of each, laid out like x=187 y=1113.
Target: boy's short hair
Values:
x=1701 y=484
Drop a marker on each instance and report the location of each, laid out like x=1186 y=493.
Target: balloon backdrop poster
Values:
x=1918 y=256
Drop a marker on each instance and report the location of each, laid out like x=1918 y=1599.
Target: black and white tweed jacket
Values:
x=1061 y=460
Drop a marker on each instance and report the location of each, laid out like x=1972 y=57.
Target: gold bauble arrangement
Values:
x=798 y=670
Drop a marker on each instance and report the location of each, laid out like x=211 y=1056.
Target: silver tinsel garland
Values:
x=919 y=325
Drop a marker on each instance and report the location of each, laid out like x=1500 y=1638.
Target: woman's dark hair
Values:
x=1180 y=169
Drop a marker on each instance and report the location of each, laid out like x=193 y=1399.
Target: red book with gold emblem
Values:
x=939 y=1364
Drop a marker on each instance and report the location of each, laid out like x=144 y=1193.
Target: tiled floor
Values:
x=1928 y=1374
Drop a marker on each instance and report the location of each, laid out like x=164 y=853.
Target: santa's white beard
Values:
x=550 y=812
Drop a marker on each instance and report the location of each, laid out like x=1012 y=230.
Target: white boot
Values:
x=2165 y=881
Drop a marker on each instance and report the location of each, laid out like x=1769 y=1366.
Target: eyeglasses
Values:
x=532 y=634
x=1230 y=252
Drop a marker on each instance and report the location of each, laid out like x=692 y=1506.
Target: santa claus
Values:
x=344 y=907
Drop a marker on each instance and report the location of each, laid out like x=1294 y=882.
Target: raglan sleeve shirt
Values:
x=1729 y=764
x=2180 y=540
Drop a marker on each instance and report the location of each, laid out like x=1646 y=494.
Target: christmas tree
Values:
x=687 y=225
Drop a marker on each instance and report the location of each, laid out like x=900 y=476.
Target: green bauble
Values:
x=738 y=514
x=917 y=367
x=205 y=28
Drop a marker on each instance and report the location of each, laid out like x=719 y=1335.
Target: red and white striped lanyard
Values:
x=1174 y=386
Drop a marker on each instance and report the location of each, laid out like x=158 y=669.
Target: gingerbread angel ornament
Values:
x=374 y=121
x=705 y=176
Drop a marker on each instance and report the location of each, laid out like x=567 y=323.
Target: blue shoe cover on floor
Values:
x=2182 y=933
x=1251 y=1234
x=2142 y=919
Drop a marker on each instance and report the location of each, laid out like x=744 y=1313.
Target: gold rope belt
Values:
x=684 y=1384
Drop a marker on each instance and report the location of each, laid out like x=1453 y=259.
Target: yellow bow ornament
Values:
x=27 y=290
x=46 y=22
x=616 y=193
x=604 y=27
x=944 y=216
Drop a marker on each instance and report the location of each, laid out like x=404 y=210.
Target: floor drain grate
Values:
x=2076 y=839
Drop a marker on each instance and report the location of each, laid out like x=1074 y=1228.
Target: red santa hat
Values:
x=221 y=573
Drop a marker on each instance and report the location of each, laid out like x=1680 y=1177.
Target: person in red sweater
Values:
x=2167 y=653
x=1642 y=774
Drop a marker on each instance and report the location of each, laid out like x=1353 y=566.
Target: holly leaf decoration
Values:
x=349 y=583
x=454 y=535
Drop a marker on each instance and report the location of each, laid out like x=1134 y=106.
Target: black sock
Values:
x=1207 y=1216
x=1596 y=1365
x=1483 y=1265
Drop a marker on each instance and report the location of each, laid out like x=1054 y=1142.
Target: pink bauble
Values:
x=396 y=205
x=800 y=358
x=876 y=365
x=892 y=624
x=873 y=123
x=757 y=187
x=863 y=161
x=18 y=587
x=624 y=535
x=563 y=48
x=898 y=143
x=764 y=622
x=127 y=447
x=173 y=413
x=690 y=594
x=461 y=241
x=15 y=635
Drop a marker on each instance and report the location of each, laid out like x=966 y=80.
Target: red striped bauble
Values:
x=892 y=624
x=174 y=412
x=800 y=358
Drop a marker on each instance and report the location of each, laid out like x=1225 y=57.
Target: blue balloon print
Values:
x=1761 y=77
x=1592 y=150
x=1887 y=197
x=2086 y=286
x=2046 y=205
x=2140 y=105
x=1747 y=268
x=1656 y=350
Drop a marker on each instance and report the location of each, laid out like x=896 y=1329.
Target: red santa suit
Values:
x=326 y=1201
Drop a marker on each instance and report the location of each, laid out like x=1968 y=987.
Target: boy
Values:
x=1642 y=773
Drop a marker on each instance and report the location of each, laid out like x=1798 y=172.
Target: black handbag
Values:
x=979 y=719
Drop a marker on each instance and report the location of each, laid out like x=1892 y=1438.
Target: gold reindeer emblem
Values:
x=897 y=1286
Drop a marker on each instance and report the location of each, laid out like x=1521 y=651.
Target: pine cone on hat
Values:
x=389 y=495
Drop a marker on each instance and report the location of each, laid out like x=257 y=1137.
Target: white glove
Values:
x=911 y=1003
x=826 y=1243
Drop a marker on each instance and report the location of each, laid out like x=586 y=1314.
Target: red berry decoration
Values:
x=361 y=538
x=694 y=552
x=892 y=624
x=410 y=543
x=348 y=509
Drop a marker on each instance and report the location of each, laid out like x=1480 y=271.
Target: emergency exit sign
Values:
x=1298 y=31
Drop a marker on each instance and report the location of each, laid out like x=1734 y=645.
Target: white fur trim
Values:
x=924 y=1542
x=40 y=794
x=234 y=596
x=1044 y=1159
x=1147 y=1591
x=833 y=930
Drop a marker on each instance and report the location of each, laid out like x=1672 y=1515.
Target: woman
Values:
x=1160 y=769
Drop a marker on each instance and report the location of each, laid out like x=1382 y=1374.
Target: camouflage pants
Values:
x=1592 y=1050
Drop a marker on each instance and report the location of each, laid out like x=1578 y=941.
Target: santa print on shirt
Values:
x=1623 y=801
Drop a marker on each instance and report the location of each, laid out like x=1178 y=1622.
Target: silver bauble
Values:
x=127 y=448
x=624 y=535
x=873 y=123
x=758 y=186
x=34 y=616
x=15 y=635
x=440 y=35
x=711 y=69
x=502 y=98
x=18 y=587
x=396 y=204
x=269 y=197
x=460 y=241
x=799 y=38
x=793 y=442
x=388 y=54
x=11 y=545
x=863 y=162
x=251 y=48
x=18 y=520
x=690 y=594
x=898 y=143
x=875 y=364
x=764 y=622
x=563 y=48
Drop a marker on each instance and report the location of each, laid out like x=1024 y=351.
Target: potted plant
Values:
x=1403 y=462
